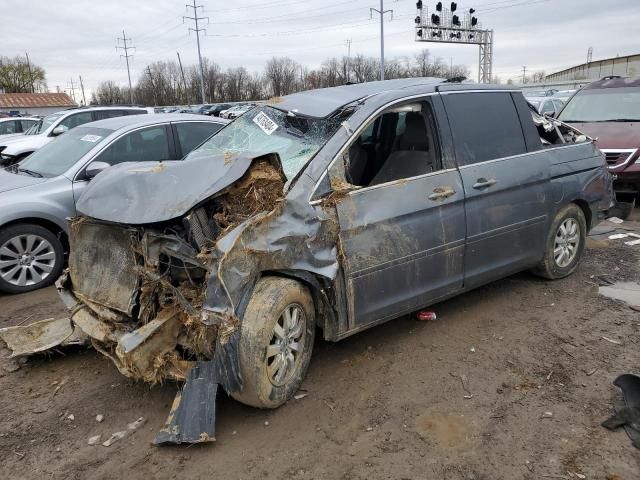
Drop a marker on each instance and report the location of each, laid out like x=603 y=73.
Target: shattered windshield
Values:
x=43 y=124
x=268 y=130
x=603 y=105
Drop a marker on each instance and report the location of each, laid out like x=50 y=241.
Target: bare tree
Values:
x=280 y=73
x=18 y=76
x=538 y=77
x=161 y=82
x=109 y=93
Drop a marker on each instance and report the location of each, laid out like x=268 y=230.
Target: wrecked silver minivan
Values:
x=336 y=210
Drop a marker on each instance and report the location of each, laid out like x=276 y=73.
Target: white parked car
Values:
x=235 y=112
x=16 y=148
x=16 y=125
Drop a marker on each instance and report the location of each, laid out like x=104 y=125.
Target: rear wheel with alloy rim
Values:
x=565 y=243
x=276 y=341
x=31 y=257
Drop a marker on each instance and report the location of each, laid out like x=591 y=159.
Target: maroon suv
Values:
x=609 y=111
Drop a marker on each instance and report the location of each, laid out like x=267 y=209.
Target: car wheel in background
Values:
x=276 y=341
x=565 y=244
x=31 y=257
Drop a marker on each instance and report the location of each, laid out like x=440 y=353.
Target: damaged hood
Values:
x=612 y=134
x=149 y=192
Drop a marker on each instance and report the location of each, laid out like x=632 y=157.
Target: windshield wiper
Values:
x=30 y=172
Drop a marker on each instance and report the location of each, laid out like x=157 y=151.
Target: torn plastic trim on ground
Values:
x=41 y=336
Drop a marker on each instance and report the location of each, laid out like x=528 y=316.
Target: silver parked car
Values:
x=39 y=194
x=546 y=105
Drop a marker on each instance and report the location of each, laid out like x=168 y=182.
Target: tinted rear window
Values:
x=485 y=126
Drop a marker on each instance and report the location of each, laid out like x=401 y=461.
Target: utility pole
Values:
x=381 y=12
x=348 y=59
x=184 y=82
x=196 y=19
x=84 y=100
x=126 y=57
x=73 y=90
x=153 y=88
x=30 y=74
x=524 y=74
x=589 y=58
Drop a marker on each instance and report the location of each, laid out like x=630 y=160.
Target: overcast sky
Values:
x=77 y=37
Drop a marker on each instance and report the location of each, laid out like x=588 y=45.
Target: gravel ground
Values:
x=511 y=382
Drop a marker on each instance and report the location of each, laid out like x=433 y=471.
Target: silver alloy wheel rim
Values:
x=284 y=352
x=566 y=244
x=26 y=260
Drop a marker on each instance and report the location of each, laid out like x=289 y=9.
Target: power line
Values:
x=348 y=57
x=84 y=100
x=153 y=88
x=126 y=56
x=184 y=82
x=73 y=90
x=30 y=74
x=196 y=19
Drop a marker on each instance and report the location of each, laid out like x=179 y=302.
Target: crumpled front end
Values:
x=137 y=293
x=156 y=298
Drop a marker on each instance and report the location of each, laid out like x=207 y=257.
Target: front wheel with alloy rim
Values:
x=565 y=244
x=276 y=341
x=31 y=257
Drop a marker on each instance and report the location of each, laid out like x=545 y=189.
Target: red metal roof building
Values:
x=35 y=103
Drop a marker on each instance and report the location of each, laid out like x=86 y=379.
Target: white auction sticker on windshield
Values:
x=267 y=125
x=91 y=138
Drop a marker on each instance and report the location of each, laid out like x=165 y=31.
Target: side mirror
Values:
x=58 y=131
x=94 y=169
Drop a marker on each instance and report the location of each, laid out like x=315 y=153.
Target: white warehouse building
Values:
x=628 y=66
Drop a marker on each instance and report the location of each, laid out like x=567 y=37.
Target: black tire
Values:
x=550 y=267
x=48 y=268
x=272 y=297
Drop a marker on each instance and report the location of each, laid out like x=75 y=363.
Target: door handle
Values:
x=484 y=183
x=440 y=193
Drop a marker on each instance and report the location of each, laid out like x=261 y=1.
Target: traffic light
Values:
x=455 y=20
x=474 y=21
x=439 y=6
x=472 y=11
x=417 y=20
x=420 y=33
x=435 y=19
x=454 y=6
x=419 y=5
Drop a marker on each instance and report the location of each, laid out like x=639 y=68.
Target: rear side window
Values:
x=192 y=134
x=102 y=114
x=134 y=112
x=485 y=126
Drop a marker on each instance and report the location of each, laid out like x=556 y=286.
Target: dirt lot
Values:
x=388 y=403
